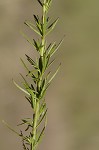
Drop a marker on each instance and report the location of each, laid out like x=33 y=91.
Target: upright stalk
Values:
x=40 y=77
x=34 y=130
x=36 y=90
x=43 y=28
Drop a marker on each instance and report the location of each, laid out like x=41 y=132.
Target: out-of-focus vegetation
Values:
x=74 y=117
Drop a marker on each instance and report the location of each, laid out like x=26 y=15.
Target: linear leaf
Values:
x=31 y=74
x=48 y=46
x=26 y=37
x=34 y=98
x=10 y=128
x=31 y=26
x=52 y=26
x=38 y=24
x=42 y=108
x=40 y=3
x=24 y=64
x=42 y=118
x=48 y=4
x=26 y=121
x=41 y=134
x=54 y=50
x=30 y=101
x=25 y=80
x=43 y=86
x=37 y=45
x=54 y=74
x=36 y=19
x=32 y=62
x=52 y=47
x=51 y=63
x=20 y=88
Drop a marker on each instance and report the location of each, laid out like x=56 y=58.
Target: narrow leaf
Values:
x=54 y=50
x=48 y=4
x=54 y=74
x=42 y=118
x=40 y=3
x=26 y=37
x=41 y=134
x=31 y=61
x=25 y=81
x=43 y=86
x=52 y=47
x=49 y=46
x=51 y=63
x=34 y=98
x=24 y=64
x=20 y=88
x=38 y=24
x=52 y=26
x=10 y=128
x=30 y=101
x=42 y=108
x=31 y=26
x=36 y=18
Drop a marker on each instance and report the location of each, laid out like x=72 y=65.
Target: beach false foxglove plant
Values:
x=41 y=77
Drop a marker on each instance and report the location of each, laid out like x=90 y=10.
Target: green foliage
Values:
x=35 y=92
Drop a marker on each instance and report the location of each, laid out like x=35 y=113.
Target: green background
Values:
x=73 y=97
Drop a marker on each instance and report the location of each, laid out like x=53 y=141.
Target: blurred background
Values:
x=73 y=97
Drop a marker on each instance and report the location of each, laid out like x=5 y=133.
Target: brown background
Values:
x=73 y=98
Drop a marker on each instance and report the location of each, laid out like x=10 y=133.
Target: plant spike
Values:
x=40 y=78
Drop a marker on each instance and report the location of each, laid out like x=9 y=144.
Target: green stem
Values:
x=43 y=23
x=34 y=131
x=36 y=115
x=42 y=41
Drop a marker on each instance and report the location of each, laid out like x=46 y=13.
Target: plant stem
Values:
x=43 y=23
x=40 y=76
x=35 y=125
x=41 y=79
